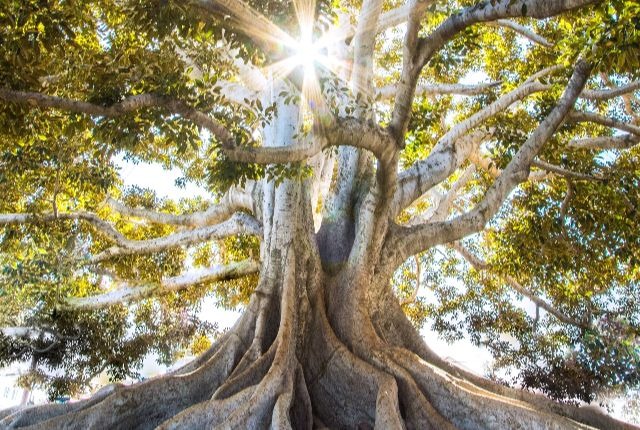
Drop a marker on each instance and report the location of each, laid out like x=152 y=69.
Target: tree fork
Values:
x=330 y=358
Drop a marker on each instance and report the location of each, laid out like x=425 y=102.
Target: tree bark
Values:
x=323 y=342
x=313 y=350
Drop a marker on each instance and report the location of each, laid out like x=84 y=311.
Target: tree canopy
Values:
x=492 y=145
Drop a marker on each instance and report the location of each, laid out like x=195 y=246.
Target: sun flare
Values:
x=308 y=54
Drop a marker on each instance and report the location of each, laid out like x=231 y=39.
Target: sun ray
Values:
x=308 y=51
x=256 y=25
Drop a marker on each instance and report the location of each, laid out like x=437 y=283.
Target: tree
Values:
x=338 y=146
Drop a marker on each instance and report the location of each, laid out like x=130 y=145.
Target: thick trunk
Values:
x=312 y=351
x=323 y=341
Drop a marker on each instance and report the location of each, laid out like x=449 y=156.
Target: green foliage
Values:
x=581 y=259
x=579 y=254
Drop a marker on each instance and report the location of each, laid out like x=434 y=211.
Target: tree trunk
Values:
x=321 y=344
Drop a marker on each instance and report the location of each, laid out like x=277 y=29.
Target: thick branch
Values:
x=438 y=166
x=604 y=120
x=451 y=150
x=523 y=31
x=394 y=17
x=233 y=201
x=611 y=92
x=486 y=12
x=410 y=241
x=127 y=293
x=481 y=265
x=342 y=132
x=129 y=104
x=260 y=155
x=482 y=12
x=363 y=45
x=389 y=91
x=101 y=225
x=240 y=223
x=606 y=142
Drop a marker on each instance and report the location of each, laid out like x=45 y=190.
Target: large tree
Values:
x=346 y=163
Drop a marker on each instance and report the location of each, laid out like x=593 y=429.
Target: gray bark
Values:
x=323 y=342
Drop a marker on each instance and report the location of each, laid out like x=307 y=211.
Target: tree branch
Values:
x=438 y=166
x=389 y=91
x=545 y=72
x=129 y=104
x=605 y=142
x=340 y=132
x=483 y=162
x=450 y=151
x=101 y=225
x=409 y=241
x=443 y=202
x=128 y=293
x=523 y=31
x=564 y=172
x=363 y=45
x=611 y=92
x=232 y=201
x=343 y=130
x=240 y=223
x=604 y=120
x=481 y=265
x=485 y=11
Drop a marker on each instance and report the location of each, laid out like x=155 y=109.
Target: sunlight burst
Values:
x=307 y=54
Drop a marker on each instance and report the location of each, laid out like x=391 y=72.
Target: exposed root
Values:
x=419 y=412
x=347 y=392
x=22 y=417
x=264 y=390
x=209 y=413
x=469 y=406
x=242 y=329
x=143 y=405
x=396 y=330
x=9 y=411
x=250 y=376
x=303 y=376
x=301 y=410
